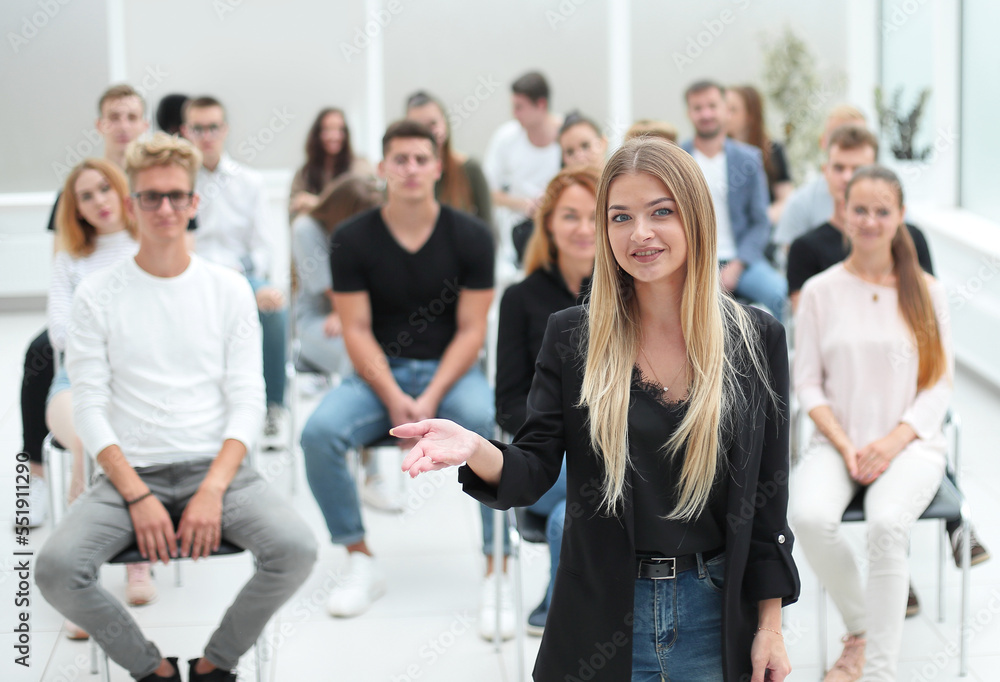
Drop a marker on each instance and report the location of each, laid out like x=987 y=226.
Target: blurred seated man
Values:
x=413 y=282
x=851 y=146
x=164 y=357
x=233 y=230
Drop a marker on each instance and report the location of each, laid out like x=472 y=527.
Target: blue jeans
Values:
x=552 y=505
x=274 y=329
x=763 y=284
x=677 y=631
x=352 y=416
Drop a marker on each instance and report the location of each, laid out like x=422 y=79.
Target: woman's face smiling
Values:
x=873 y=215
x=645 y=230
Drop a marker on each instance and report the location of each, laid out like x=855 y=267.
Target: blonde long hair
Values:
x=721 y=339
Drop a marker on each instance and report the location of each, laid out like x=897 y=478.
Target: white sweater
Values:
x=855 y=353
x=68 y=271
x=166 y=368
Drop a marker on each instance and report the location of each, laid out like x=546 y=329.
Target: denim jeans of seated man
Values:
x=677 y=631
x=352 y=416
x=552 y=505
x=274 y=330
x=760 y=283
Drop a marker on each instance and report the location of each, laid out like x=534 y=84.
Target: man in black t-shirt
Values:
x=412 y=283
x=851 y=146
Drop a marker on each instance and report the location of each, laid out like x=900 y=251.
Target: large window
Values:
x=980 y=104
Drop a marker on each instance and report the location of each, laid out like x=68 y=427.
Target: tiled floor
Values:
x=424 y=628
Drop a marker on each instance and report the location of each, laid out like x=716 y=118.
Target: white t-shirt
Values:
x=515 y=166
x=167 y=368
x=716 y=172
x=68 y=272
x=233 y=218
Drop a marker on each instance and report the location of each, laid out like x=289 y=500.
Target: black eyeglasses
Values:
x=151 y=201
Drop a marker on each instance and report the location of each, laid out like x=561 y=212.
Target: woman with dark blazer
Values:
x=558 y=266
x=676 y=555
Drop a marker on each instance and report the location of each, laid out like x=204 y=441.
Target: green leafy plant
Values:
x=794 y=88
x=900 y=128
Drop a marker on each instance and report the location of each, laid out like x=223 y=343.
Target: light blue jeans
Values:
x=763 y=284
x=352 y=416
x=677 y=631
x=274 y=329
x=552 y=505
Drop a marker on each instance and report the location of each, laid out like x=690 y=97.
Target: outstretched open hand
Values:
x=439 y=444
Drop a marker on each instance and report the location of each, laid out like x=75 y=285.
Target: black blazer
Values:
x=590 y=620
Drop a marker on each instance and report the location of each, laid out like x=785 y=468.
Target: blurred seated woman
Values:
x=328 y=156
x=93 y=230
x=582 y=142
x=873 y=370
x=316 y=322
x=558 y=266
x=746 y=124
x=462 y=184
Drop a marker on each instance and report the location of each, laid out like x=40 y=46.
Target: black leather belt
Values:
x=667 y=568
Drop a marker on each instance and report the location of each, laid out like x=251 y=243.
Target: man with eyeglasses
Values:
x=165 y=361
x=233 y=224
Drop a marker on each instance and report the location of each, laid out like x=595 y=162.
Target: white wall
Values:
x=300 y=55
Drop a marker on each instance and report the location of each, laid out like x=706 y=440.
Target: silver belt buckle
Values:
x=663 y=559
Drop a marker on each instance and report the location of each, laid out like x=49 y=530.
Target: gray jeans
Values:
x=98 y=527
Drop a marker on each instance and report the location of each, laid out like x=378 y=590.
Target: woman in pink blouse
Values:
x=873 y=370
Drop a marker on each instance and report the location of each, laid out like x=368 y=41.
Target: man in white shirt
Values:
x=523 y=155
x=164 y=357
x=735 y=175
x=233 y=225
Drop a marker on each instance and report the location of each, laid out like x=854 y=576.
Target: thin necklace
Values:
x=665 y=388
x=851 y=269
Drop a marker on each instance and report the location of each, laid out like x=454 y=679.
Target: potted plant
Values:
x=899 y=127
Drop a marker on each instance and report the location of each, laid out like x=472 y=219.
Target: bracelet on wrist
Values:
x=777 y=632
x=129 y=503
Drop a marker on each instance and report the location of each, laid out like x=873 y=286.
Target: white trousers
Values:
x=820 y=491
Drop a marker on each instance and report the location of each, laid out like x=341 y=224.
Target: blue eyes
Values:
x=659 y=213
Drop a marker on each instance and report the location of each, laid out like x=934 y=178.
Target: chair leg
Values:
x=942 y=541
x=963 y=666
x=92 y=649
x=821 y=611
x=106 y=671
x=519 y=630
x=498 y=572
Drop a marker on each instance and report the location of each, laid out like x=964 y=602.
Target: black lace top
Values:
x=653 y=418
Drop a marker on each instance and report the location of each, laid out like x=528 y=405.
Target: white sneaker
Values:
x=38 y=503
x=362 y=584
x=272 y=439
x=377 y=494
x=488 y=609
x=312 y=385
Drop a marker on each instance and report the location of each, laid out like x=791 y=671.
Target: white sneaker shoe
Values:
x=272 y=439
x=363 y=584
x=377 y=494
x=38 y=503
x=488 y=609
